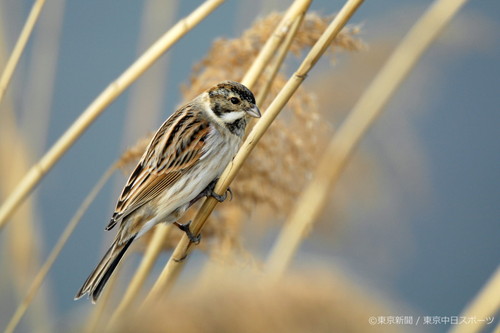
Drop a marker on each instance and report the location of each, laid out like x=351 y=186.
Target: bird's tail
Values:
x=97 y=279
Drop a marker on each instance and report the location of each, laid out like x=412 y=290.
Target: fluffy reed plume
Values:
x=232 y=57
x=239 y=302
x=273 y=176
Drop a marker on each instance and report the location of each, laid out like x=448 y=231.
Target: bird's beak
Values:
x=254 y=112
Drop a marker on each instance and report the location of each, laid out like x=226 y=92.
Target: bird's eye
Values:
x=235 y=100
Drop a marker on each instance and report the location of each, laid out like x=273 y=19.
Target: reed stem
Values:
x=362 y=116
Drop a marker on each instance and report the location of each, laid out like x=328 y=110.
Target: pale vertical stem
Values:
x=40 y=169
x=11 y=65
x=47 y=265
x=298 y=8
x=153 y=251
x=276 y=65
x=146 y=96
x=38 y=90
x=366 y=110
x=173 y=267
x=23 y=241
x=280 y=57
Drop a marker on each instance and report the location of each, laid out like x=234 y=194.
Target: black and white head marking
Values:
x=231 y=103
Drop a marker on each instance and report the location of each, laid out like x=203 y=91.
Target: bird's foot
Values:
x=221 y=198
x=209 y=192
x=185 y=227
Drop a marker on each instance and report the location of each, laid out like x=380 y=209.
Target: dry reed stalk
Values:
x=278 y=61
x=11 y=65
x=148 y=92
x=22 y=243
x=38 y=171
x=355 y=125
x=47 y=265
x=183 y=248
x=485 y=304
x=152 y=252
x=38 y=90
x=298 y=8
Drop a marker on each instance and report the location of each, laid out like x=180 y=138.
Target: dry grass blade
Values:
x=152 y=252
x=183 y=248
x=485 y=305
x=22 y=244
x=42 y=273
x=359 y=120
x=282 y=52
x=38 y=90
x=148 y=92
x=11 y=65
x=38 y=171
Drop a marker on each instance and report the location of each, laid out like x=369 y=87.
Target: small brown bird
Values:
x=181 y=164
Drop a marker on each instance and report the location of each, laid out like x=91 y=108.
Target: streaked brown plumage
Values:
x=181 y=163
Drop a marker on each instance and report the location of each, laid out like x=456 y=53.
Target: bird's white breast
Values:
x=219 y=150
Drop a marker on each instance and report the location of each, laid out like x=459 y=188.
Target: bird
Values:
x=180 y=165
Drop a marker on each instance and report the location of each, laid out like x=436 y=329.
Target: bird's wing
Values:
x=174 y=149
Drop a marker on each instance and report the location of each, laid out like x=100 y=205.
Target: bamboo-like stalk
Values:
x=485 y=304
x=11 y=65
x=38 y=171
x=148 y=92
x=23 y=242
x=299 y=7
x=174 y=266
x=152 y=253
x=47 y=265
x=366 y=110
x=275 y=66
x=280 y=57
x=38 y=91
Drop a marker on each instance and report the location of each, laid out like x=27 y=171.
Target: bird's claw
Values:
x=185 y=227
x=222 y=198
